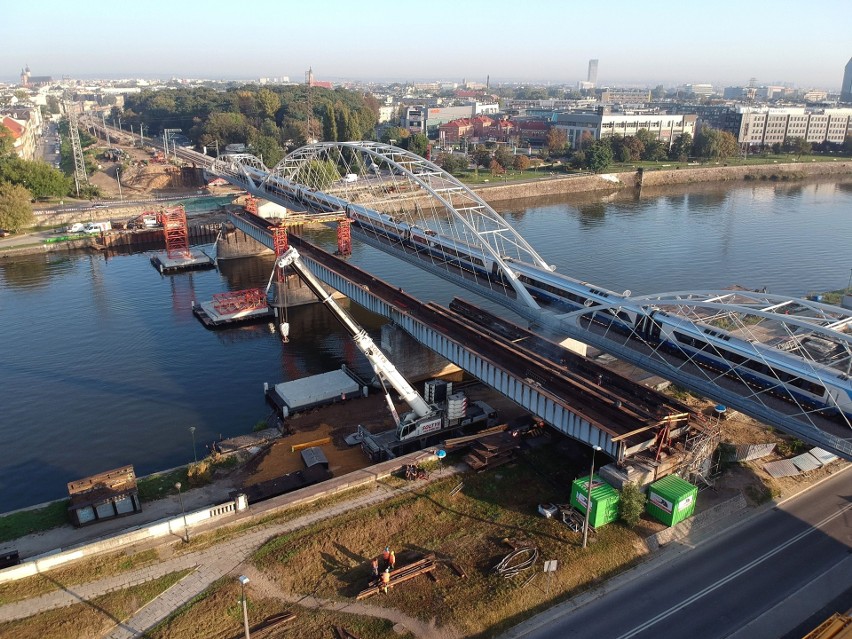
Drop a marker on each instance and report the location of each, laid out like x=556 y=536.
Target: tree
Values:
x=267 y=147
x=799 y=146
x=496 y=168
x=631 y=505
x=599 y=156
x=504 y=156
x=39 y=178
x=681 y=148
x=521 y=163
x=16 y=211
x=556 y=141
x=53 y=105
x=268 y=103
x=7 y=141
x=395 y=133
x=635 y=148
x=417 y=143
x=481 y=156
x=714 y=144
x=329 y=124
x=453 y=164
x=317 y=174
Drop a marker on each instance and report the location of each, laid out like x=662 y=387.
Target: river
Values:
x=103 y=363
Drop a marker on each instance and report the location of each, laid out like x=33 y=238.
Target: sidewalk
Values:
x=211 y=564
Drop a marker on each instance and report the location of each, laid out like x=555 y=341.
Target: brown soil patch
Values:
x=337 y=421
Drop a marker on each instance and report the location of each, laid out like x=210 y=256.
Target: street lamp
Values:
x=192 y=432
x=118 y=179
x=185 y=526
x=243 y=581
x=589 y=498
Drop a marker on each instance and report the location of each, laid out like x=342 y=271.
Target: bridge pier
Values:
x=235 y=243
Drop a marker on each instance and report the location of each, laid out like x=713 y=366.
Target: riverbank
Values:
x=644 y=178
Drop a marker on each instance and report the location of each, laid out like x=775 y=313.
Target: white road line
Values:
x=743 y=569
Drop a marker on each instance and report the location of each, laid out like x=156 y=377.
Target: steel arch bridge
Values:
x=768 y=356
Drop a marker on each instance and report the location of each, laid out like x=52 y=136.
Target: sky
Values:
x=643 y=43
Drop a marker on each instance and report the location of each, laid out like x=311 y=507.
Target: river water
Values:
x=103 y=363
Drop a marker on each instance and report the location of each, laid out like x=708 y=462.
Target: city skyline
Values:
x=641 y=44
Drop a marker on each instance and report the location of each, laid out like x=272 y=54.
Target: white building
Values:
x=665 y=127
x=764 y=126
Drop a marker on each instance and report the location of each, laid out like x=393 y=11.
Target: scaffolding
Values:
x=344 y=237
x=700 y=462
x=236 y=301
x=176 y=233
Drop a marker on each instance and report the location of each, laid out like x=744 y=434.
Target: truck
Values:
x=425 y=422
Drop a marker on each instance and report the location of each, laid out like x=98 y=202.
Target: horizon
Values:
x=161 y=41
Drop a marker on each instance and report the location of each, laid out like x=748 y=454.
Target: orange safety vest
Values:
x=385 y=578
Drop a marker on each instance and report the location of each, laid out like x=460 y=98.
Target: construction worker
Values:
x=392 y=560
x=386 y=555
x=375 y=567
x=385 y=580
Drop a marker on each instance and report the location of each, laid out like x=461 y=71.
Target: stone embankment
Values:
x=664 y=177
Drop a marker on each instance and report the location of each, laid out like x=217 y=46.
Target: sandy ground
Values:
x=337 y=421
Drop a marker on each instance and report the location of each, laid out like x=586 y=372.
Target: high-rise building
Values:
x=592 y=76
x=846 y=87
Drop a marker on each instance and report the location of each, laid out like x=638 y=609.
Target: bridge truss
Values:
x=766 y=355
x=421 y=214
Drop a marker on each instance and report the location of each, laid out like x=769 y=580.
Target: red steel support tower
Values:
x=175 y=230
x=251 y=204
x=344 y=237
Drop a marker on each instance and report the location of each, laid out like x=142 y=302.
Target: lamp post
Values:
x=185 y=526
x=589 y=499
x=118 y=179
x=243 y=581
x=194 y=454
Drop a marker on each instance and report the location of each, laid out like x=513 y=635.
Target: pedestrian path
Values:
x=208 y=565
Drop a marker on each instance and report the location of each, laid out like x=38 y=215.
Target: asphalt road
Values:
x=734 y=580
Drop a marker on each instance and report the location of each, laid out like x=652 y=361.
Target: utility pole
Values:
x=106 y=133
x=141 y=135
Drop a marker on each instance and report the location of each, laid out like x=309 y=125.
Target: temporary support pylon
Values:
x=235 y=301
x=176 y=233
x=251 y=204
x=344 y=237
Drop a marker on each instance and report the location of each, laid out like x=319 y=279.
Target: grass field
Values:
x=92 y=618
x=217 y=614
x=331 y=559
x=79 y=572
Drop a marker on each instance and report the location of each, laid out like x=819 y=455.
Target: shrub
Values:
x=632 y=504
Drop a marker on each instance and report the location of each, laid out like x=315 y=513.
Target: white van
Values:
x=350 y=177
x=97 y=227
x=77 y=227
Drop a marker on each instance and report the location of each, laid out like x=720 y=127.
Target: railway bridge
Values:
x=784 y=361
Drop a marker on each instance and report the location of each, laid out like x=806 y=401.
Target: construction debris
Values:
x=425 y=566
x=517 y=561
x=491 y=451
x=343 y=633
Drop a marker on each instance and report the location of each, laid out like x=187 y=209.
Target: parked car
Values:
x=77 y=227
x=5 y=233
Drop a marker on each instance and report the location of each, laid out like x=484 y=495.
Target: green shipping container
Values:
x=604 y=500
x=671 y=500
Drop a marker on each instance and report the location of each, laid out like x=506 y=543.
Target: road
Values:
x=728 y=583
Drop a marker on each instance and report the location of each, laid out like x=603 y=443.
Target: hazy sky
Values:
x=724 y=42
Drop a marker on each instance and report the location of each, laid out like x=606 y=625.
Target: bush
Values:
x=200 y=473
x=632 y=504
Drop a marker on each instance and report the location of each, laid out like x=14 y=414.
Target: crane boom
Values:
x=381 y=365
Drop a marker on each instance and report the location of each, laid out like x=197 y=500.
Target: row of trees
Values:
x=267 y=119
x=22 y=182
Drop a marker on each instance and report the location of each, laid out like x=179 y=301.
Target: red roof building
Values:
x=452 y=132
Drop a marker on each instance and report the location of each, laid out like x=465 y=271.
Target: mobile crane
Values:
x=424 y=420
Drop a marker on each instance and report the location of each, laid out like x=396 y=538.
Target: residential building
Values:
x=846 y=87
x=665 y=127
x=702 y=90
x=25 y=123
x=453 y=132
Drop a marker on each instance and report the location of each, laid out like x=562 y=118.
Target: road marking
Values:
x=743 y=569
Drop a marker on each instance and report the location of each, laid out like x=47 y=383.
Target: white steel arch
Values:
x=414 y=192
